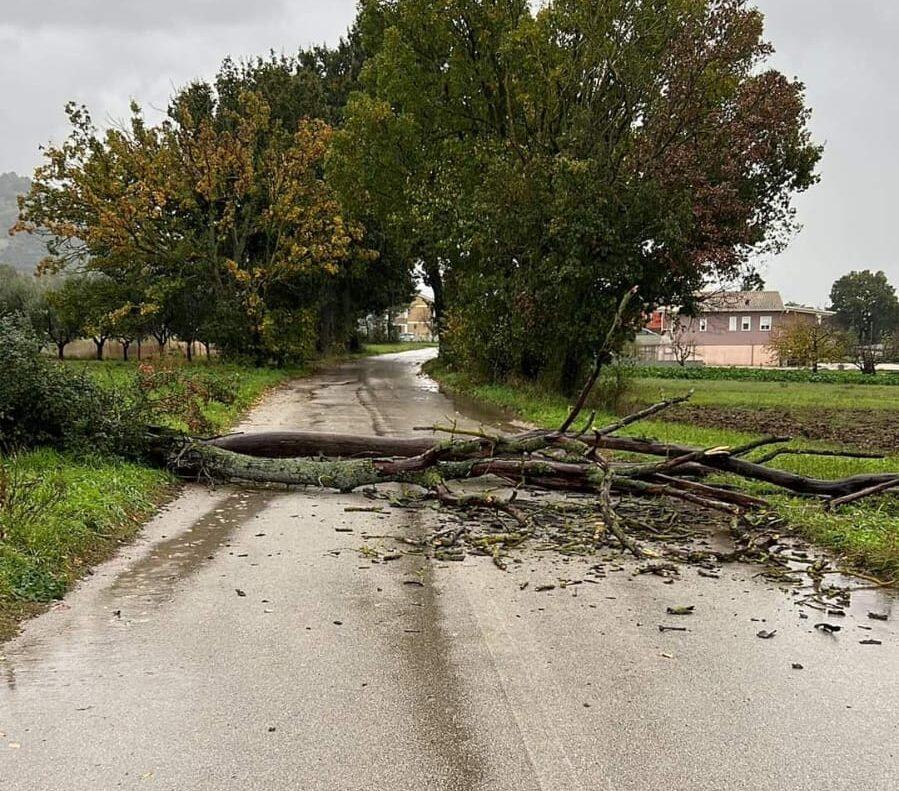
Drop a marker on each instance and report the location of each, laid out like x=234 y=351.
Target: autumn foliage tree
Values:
x=809 y=343
x=217 y=225
x=537 y=164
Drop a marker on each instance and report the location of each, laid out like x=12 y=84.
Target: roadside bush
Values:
x=171 y=391
x=767 y=375
x=43 y=403
x=614 y=390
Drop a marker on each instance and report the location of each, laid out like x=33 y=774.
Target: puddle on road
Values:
x=153 y=577
x=149 y=582
x=472 y=410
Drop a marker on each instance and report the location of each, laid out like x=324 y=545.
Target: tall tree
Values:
x=539 y=164
x=221 y=205
x=866 y=304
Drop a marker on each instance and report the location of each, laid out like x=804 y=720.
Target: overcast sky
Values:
x=105 y=52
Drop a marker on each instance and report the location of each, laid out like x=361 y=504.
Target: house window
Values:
x=765 y=324
x=746 y=324
x=733 y=323
x=703 y=325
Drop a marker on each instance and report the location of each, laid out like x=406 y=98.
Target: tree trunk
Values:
x=99 y=343
x=125 y=346
x=190 y=351
x=61 y=349
x=290 y=445
x=139 y=349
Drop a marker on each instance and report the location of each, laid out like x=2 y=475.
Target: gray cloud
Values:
x=845 y=53
x=105 y=52
x=141 y=15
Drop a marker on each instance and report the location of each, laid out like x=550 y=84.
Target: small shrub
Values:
x=614 y=390
x=172 y=391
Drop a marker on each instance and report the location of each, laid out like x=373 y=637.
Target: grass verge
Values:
x=375 y=349
x=866 y=535
x=61 y=514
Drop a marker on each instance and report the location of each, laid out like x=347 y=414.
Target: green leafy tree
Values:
x=64 y=318
x=223 y=207
x=538 y=164
x=19 y=294
x=867 y=306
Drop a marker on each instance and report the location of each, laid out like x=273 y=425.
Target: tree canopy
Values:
x=218 y=222
x=532 y=165
x=866 y=304
x=539 y=164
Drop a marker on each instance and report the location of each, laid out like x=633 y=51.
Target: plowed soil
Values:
x=861 y=429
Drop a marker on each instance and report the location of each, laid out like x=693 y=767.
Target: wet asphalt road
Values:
x=333 y=672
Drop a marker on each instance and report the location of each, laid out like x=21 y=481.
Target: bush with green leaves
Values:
x=44 y=403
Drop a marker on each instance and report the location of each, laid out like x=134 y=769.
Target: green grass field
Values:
x=771 y=394
x=867 y=535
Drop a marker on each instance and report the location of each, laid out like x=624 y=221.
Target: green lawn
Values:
x=867 y=534
x=771 y=394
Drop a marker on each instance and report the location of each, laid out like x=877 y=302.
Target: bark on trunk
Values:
x=275 y=446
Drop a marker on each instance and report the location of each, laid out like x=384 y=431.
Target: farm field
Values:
x=862 y=416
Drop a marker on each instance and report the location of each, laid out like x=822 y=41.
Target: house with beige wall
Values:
x=732 y=328
x=417 y=319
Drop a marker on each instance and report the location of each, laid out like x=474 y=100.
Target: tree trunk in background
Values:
x=60 y=349
x=161 y=341
x=99 y=343
x=190 y=351
x=139 y=349
x=125 y=346
x=570 y=373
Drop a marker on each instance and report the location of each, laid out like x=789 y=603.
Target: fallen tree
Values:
x=285 y=445
x=560 y=460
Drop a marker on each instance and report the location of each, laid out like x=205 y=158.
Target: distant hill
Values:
x=22 y=252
